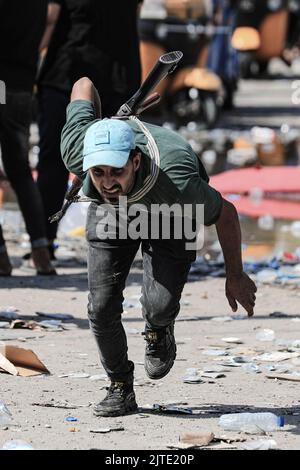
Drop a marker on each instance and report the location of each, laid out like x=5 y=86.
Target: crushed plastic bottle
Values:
x=251 y=422
x=5 y=415
x=17 y=444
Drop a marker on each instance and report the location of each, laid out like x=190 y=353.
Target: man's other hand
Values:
x=241 y=289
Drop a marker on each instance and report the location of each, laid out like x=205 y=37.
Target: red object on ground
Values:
x=282 y=179
x=269 y=179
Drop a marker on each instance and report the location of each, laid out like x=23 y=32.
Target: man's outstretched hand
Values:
x=241 y=289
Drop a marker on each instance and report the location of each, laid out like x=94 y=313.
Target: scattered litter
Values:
x=30 y=325
x=232 y=340
x=192 y=376
x=71 y=419
x=236 y=361
x=75 y=375
x=213 y=375
x=251 y=367
x=165 y=409
x=251 y=423
x=74 y=430
x=265 y=335
x=56 y=316
x=215 y=369
x=99 y=377
x=229 y=439
x=276 y=356
x=267 y=276
x=60 y=404
x=8 y=313
x=261 y=444
x=181 y=445
x=222 y=319
x=199 y=439
x=19 y=361
x=54 y=325
x=17 y=444
x=294 y=377
x=106 y=430
x=215 y=352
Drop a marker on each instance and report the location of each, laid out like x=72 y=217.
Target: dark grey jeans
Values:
x=166 y=265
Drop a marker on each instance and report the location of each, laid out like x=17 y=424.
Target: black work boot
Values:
x=160 y=352
x=119 y=401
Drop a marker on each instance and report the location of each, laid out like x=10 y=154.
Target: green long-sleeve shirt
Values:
x=181 y=179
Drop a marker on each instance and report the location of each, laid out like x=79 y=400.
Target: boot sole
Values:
x=110 y=413
x=161 y=376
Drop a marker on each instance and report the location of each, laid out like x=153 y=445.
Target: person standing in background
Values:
x=90 y=38
x=22 y=25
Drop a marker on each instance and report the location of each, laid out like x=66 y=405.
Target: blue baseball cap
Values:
x=108 y=142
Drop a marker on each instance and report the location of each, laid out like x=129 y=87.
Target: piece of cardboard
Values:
x=199 y=439
x=19 y=361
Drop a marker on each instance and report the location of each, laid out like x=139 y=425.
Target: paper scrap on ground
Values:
x=106 y=430
x=232 y=340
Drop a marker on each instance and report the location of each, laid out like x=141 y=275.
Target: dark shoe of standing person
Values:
x=160 y=352
x=5 y=265
x=119 y=401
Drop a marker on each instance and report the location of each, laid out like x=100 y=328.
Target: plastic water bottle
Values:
x=253 y=422
x=5 y=415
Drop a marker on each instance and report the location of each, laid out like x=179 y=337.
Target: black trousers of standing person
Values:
x=15 y=119
x=166 y=264
x=52 y=174
x=2 y=241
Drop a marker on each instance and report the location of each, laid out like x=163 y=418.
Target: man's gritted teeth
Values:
x=111 y=192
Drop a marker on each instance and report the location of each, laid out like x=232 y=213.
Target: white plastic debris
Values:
x=265 y=335
x=261 y=444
